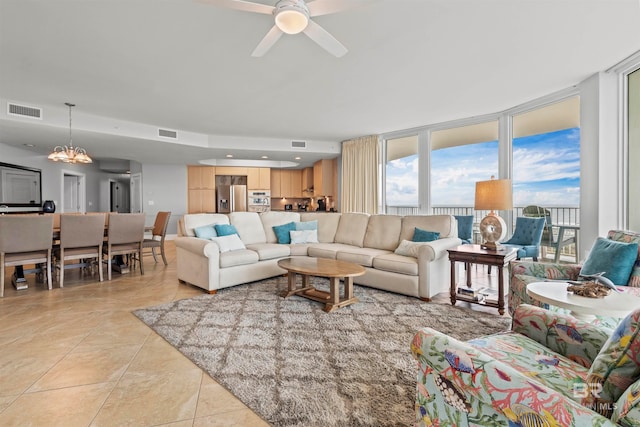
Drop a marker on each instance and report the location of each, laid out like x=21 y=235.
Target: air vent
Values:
x=24 y=111
x=168 y=133
x=298 y=144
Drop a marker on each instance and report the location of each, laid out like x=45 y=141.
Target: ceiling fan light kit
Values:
x=491 y=195
x=291 y=16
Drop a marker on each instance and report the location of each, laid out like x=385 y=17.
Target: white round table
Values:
x=583 y=308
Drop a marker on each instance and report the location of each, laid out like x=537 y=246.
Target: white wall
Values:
x=601 y=193
x=164 y=188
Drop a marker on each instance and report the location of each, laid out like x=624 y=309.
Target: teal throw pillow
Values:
x=307 y=225
x=205 y=232
x=225 y=229
x=420 y=235
x=282 y=232
x=615 y=259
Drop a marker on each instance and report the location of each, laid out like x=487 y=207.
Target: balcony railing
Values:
x=559 y=215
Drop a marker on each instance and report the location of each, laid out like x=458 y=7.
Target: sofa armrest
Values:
x=564 y=334
x=521 y=273
x=459 y=385
x=198 y=246
x=437 y=249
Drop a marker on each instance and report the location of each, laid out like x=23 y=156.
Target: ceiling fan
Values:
x=292 y=17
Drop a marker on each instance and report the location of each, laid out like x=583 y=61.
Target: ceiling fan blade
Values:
x=324 y=39
x=246 y=6
x=269 y=40
x=325 y=7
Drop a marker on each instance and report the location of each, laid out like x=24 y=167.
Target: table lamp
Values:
x=493 y=195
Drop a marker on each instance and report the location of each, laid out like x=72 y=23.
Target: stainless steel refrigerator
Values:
x=231 y=198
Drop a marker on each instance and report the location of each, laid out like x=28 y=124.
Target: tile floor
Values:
x=77 y=356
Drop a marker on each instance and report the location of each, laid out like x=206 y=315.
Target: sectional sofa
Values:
x=368 y=240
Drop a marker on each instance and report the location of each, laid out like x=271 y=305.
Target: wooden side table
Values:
x=474 y=254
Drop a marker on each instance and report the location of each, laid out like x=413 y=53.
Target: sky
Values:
x=546 y=172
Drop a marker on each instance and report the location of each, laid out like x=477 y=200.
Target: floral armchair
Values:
x=524 y=272
x=549 y=370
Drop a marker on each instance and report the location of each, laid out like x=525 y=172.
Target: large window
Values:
x=460 y=157
x=546 y=159
x=402 y=172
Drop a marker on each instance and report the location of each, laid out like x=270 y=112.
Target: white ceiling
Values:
x=132 y=66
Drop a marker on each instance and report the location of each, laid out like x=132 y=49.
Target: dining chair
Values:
x=124 y=237
x=81 y=239
x=26 y=240
x=158 y=234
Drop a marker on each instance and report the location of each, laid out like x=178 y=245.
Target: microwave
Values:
x=259 y=201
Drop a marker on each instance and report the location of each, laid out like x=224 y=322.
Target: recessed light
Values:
x=297 y=158
x=229 y=155
x=264 y=157
x=28 y=145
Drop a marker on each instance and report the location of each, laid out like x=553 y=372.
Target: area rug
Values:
x=295 y=365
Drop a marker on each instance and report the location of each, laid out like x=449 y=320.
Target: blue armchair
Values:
x=526 y=237
x=465 y=228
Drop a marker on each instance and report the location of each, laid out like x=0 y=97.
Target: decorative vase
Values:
x=48 y=206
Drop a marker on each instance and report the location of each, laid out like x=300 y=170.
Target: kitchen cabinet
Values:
x=276 y=175
x=201 y=193
x=200 y=177
x=323 y=177
x=258 y=178
x=307 y=182
x=231 y=170
x=295 y=176
x=285 y=183
x=201 y=201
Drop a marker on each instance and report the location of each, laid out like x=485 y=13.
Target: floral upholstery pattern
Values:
x=616 y=367
x=506 y=379
x=513 y=378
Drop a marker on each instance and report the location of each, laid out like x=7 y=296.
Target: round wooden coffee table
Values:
x=583 y=308
x=322 y=267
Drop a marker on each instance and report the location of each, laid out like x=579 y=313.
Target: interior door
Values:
x=71 y=194
x=136 y=193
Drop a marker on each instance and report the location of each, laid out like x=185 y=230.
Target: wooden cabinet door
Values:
x=285 y=183
x=275 y=183
x=253 y=179
x=201 y=177
x=296 y=183
x=201 y=201
x=265 y=178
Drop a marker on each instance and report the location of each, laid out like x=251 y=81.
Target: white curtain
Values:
x=360 y=175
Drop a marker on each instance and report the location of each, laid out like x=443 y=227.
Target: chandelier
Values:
x=69 y=153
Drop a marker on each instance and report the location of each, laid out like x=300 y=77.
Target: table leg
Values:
x=348 y=288
x=291 y=281
x=334 y=289
x=500 y=290
x=452 y=291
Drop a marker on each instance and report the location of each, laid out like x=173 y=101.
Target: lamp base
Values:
x=492 y=246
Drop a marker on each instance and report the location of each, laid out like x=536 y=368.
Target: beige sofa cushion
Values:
x=269 y=219
x=300 y=249
x=396 y=264
x=241 y=257
x=270 y=250
x=327 y=250
x=249 y=227
x=352 y=228
x=362 y=256
x=327 y=224
x=444 y=224
x=191 y=221
x=383 y=232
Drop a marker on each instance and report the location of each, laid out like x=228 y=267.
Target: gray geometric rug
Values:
x=295 y=365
